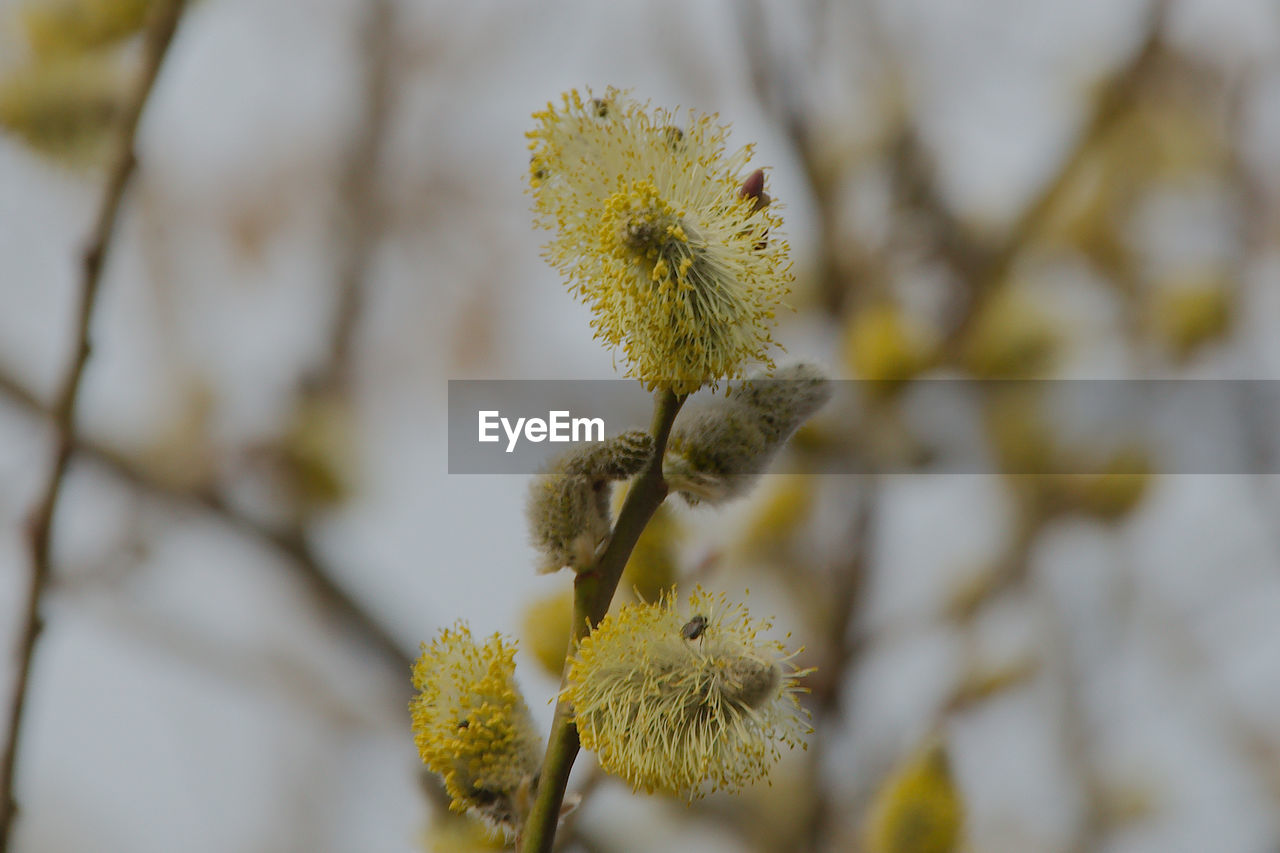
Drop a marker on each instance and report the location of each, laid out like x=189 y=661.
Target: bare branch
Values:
x=159 y=34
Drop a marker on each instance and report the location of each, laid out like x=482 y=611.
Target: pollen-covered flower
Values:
x=668 y=239
x=717 y=454
x=472 y=726
x=568 y=506
x=685 y=701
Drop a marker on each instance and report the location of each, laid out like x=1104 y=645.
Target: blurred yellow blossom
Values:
x=547 y=624
x=919 y=809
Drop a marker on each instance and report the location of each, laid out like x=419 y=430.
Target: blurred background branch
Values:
x=158 y=35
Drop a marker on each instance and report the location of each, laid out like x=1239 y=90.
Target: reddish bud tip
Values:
x=753 y=186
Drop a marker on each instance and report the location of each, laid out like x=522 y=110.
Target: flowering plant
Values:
x=674 y=246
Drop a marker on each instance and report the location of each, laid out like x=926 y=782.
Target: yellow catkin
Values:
x=472 y=726
x=884 y=347
x=1111 y=493
x=668 y=239
x=685 y=700
x=1011 y=338
x=1192 y=312
x=780 y=515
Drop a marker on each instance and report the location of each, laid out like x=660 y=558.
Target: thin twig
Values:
x=593 y=590
x=158 y=37
x=846 y=588
x=1091 y=827
x=301 y=556
x=359 y=224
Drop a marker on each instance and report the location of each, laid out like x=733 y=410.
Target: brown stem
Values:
x=593 y=590
x=158 y=37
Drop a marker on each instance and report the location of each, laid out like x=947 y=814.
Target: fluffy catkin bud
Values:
x=568 y=506
x=785 y=400
x=472 y=726
x=685 y=701
x=716 y=455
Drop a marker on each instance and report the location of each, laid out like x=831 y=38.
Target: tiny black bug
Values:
x=694 y=628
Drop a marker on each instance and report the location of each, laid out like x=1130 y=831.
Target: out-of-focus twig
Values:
x=1091 y=827
x=1112 y=102
x=291 y=544
x=358 y=197
x=836 y=260
x=1254 y=742
x=357 y=233
x=1257 y=221
x=845 y=593
x=358 y=226
x=159 y=34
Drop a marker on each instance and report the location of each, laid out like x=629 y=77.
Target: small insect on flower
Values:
x=660 y=233
x=668 y=714
x=694 y=628
x=472 y=727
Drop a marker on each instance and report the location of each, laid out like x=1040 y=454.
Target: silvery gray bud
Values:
x=785 y=400
x=716 y=455
x=568 y=506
